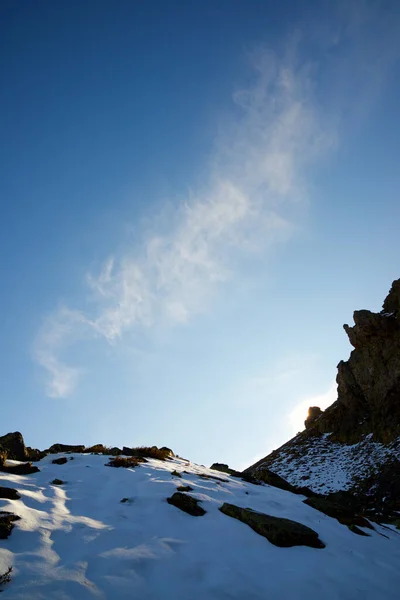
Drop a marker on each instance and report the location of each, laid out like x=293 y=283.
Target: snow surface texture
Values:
x=325 y=466
x=79 y=542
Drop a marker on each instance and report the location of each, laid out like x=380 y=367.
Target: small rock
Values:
x=58 y=482
x=9 y=493
x=60 y=461
x=129 y=462
x=167 y=451
x=187 y=504
x=184 y=488
x=203 y=476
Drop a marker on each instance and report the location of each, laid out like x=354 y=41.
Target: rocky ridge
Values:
x=353 y=447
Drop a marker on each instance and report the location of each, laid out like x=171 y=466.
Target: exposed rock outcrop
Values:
x=60 y=461
x=21 y=469
x=339 y=510
x=9 y=493
x=187 y=504
x=280 y=532
x=369 y=381
x=14 y=446
x=223 y=468
x=58 y=448
x=364 y=422
x=314 y=412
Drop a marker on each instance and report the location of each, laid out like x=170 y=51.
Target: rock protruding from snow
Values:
x=187 y=504
x=281 y=532
x=57 y=448
x=14 y=446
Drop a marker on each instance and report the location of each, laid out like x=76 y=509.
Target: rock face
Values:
x=369 y=381
x=364 y=422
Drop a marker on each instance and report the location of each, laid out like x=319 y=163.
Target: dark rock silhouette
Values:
x=366 y=412
x=280 y=532
x=314 y=412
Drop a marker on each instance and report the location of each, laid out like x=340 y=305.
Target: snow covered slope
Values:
x=78 y=541
x=327 y=466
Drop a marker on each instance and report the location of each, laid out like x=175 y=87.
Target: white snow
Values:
x=326 y=466
x=79 y=542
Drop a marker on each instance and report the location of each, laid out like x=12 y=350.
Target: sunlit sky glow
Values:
x=195 y=198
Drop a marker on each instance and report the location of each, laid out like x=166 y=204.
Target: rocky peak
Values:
x=391 y=306
x=369 y=381
x=355 y=443
x=314 y=412
x=12 y=444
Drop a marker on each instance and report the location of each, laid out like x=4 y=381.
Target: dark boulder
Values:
x=35 y=455
x=280 y=532
x=187 y=504
x=147 y=452
x=60 y=448
x=60 y=461
x=344 y=514
x=22 y=469
x=14 y=446
x=115 y=451
x=9 y=493
x=184 y=488
x=97 y=449
x=167 y=451
x=127 y=462
x=223 y=468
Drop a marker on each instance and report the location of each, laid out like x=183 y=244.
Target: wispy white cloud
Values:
x=258 y=172
x=58 y=330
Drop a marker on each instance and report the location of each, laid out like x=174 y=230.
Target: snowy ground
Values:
x=79 y=542
x=326 y=466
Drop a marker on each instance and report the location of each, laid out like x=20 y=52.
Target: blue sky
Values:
x=195 y=196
